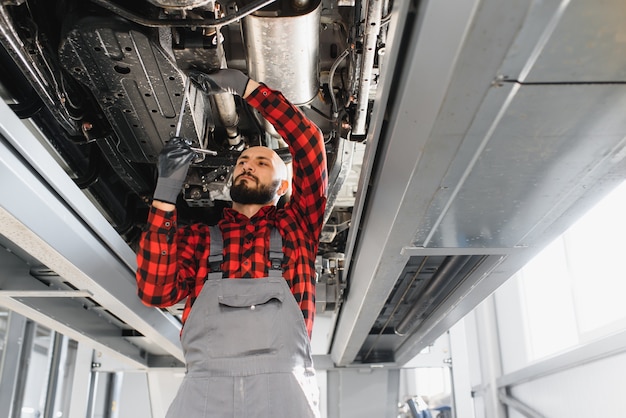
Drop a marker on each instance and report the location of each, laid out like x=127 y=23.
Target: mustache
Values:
x=248 y=174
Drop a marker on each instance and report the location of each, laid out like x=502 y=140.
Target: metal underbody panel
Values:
x=135 y=82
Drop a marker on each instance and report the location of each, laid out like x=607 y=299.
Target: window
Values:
x=573 y=290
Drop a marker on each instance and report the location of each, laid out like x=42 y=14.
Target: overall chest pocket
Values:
x=248 y=320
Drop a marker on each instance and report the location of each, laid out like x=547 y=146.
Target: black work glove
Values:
x=227 y=80
x=174 y=161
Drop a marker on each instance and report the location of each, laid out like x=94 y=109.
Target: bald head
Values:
x=260 y=153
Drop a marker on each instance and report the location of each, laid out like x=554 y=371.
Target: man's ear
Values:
x=284 y=185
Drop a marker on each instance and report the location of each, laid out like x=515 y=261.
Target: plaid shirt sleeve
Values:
x=307 y=204
x=309 y=157
x=169 y=261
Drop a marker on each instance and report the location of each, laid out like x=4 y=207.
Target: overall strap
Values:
x=276 y=254
x=216 y=256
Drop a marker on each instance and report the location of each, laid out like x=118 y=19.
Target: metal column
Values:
x=11 y=364
x=490 y=359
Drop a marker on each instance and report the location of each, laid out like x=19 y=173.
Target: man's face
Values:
x=257 y=176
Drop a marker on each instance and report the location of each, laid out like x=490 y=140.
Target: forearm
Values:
x=250 y=87
x=164 y=206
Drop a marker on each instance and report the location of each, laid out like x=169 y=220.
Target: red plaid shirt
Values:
x=173 y=262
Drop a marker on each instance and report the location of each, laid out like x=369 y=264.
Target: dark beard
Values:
x=245 y=195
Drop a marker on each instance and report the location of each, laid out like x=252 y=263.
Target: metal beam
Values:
x=609 y=346
x=11 y=362
x=438 y=35
x=64 y=315
x=44 y=213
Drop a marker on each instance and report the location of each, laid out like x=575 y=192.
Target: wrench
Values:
x=203 y=151
x=179 y=124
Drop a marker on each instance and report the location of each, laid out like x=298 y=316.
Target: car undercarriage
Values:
x=105 y=83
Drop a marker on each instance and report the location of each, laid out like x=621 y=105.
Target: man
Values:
x=246 y=342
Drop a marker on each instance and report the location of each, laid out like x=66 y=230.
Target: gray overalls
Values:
x=246 y=348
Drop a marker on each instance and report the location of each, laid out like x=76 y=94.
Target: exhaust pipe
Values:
x=283 y=49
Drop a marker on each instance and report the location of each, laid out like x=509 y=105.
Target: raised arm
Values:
x=306 y=145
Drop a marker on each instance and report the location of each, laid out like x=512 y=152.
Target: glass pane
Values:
x=4 y=321
x=595 y=247
x=550 y=315
x=38 y=363
x=425 y=389
x=573 y=290
x=67 y=364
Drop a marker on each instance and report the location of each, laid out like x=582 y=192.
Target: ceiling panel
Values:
x=570 y=41
x=545 y=147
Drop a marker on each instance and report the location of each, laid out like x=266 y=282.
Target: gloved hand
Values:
x=227 y=80
x=174 y=161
